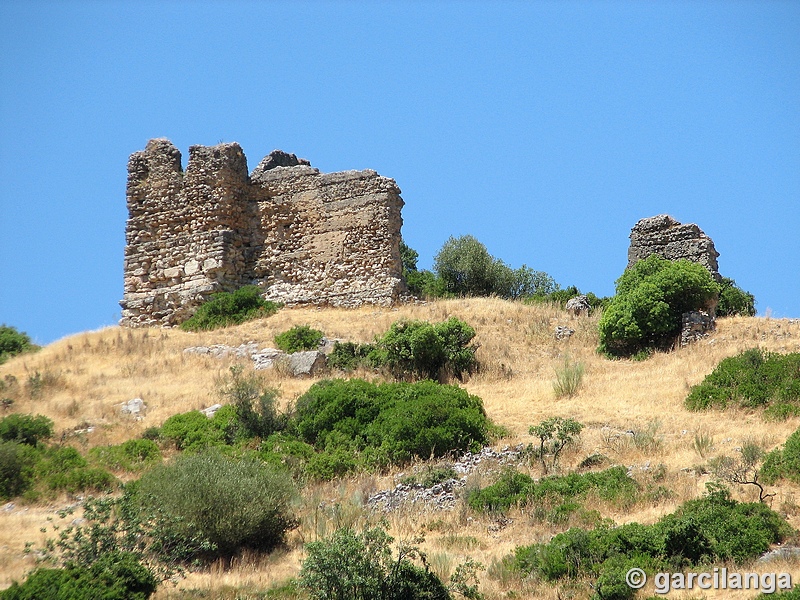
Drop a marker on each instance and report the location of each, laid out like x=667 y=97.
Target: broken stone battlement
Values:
x=303 y=236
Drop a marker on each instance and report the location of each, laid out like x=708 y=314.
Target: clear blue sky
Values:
x=544 y=129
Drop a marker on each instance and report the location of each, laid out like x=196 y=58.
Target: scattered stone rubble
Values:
x=303 y=236
x=297 y=364
x=696 y=325
x=578 y=306
x=135 y=408
x=442 y=496
x=562 y=332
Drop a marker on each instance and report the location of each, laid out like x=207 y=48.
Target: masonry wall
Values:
x=304 y=237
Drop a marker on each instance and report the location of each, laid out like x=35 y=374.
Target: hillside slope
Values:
x=84 y=378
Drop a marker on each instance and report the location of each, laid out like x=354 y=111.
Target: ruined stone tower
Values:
x=672 y=240
x=303 y=236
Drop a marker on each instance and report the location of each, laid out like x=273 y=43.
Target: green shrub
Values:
x=230 y=308
x=425 y=284
x=783 y=462
x=714 y=528
x=62 y=468
x=735 y=301
x=233 y=503
x=517 y=489
x=114 y=576
x=17 y=468
x=194 y=431
x=25 y=429
x=424 y=350
x=511 y=489
x=555 y=434
x=132 y=455
x=13 y=342
x=466 y=268
x=256 y=413
x=360 y=566
x=392 y=422
x=749 y=380
x=348 y=356
x=299 y=338
x=650 y=299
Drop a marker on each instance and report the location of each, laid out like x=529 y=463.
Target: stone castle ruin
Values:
x=672 y=240
x=303 y=236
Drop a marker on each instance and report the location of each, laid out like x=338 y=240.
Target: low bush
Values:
x=62 y=468
x=132 y=455
x=25 y=429
x=418 y=349
x=733 y=300
x=230 y=308
x=231 y=503
x=645 y=314
x=466 y=268
x=255 y=406
x=13 y=342
x=348 y=356
x=390 y=423
x=783 y=462
x=194 y=431
x=299 y=338
x=517 y=489
x=752 y=379
x=114 y=576
x=17 y=468
x=352 y=565
x=711 y=529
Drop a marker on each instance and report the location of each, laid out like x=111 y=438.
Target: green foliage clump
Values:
x=418 y=349
x=733 y=300
x=62 y=468
x=17 y=468
x=256 y=412
x=299 y=338
x=352 y=565
x=359 y=422
x=783 y=462
x=555 y=434
x=25 y=429
x=645 y=314
x=714 y=528
x=194 y=431
x=466 y=268
x=114 y=576
x=348 y=356
x=752 y=379
x=517 y=489
x=231 y=503
x=132 y=455
x=230 y=308
x=13 y=342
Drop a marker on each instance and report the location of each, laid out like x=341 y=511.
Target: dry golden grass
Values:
x=90 y=374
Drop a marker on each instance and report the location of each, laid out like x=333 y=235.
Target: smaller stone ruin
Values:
x=672 y=240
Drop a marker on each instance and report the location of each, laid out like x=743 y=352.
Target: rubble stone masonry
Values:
x=303 y=236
